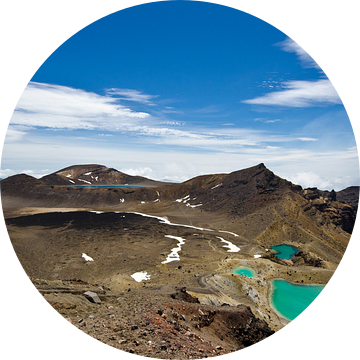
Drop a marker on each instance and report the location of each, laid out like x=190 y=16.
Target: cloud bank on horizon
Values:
x=188 y=107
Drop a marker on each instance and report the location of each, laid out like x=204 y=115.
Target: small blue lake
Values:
x=290 y=300
x=284 y=251
x=244 y=271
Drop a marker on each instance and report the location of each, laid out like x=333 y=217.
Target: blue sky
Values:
x=173 y=90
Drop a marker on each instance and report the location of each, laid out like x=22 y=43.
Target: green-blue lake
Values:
x=245 y=271
x=290 y=300
x=284 y=251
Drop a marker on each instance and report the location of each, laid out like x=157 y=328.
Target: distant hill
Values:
x=95 y=175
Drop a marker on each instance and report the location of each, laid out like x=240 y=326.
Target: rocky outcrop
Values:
x=92 y=297
x=299 y=259
x=304 y=258
x=325 y=209
x=181 y=294
x=240 y=323
x=349 y=196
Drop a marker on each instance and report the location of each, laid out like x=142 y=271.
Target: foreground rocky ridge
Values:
x=160 y=326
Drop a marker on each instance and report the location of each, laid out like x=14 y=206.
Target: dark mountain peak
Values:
x=23 y=178
x=13 y=182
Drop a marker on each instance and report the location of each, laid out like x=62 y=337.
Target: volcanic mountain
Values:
x=95 y=175
x=237 y=194
x=253 y=202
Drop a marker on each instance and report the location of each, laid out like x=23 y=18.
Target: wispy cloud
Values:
x=16 y=133
x=267 y=121
x=307 y=139
x=208 y=109
x=132 y=95
x=291 y=46
x=297 y=93
x=62 y=107
x=300 y=93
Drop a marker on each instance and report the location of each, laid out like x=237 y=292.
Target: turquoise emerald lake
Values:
x=244 y=271
x=290 y=300
x=285 y=251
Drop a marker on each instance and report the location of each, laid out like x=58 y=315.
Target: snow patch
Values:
x=96 y=212
x=139 y=276
x=68 y=175
x=228 y=232
x=72 y=181
x=257 y=256
x=88 y=182
x=156 y=200
x=122 y=200
x=216 y=186
x=194 y=206
x=88 y=173
x=87 y=258
x=230 y=245
x=166 y=221
x=184 y=199
x=174 y=255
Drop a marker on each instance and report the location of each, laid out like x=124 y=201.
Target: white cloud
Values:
x=132 y=95
x=142 y=171
x=15 y=133
x=267 y=121
x=307 y=139
x=299 y=93
x=10 y=172
x=6 y=173
x=62 y=107
x=291 y=46
x=310 y=179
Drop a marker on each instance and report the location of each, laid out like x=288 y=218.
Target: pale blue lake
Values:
x=244 y=271
x=284 y=251
x=290 y=300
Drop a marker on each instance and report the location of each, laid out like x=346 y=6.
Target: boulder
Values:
x=93 y=297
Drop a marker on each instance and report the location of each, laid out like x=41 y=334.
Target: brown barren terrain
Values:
x=193 y=306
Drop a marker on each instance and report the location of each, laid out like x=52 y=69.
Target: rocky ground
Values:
x=171 y=325
x=72 y=241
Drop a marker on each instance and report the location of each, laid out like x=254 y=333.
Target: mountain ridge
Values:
x=236 y=195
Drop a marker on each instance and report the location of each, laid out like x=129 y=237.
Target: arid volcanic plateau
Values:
x=161 y=256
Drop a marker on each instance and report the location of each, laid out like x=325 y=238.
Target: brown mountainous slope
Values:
x=254 y=203
x=95 y=175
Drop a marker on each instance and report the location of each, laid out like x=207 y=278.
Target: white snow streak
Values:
x=174 y=255
x=88 y=182
x=228 y=232
x=230 y=245
x=166 y=221
x=216 y=186
x=184 y=199
x=87 y=258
